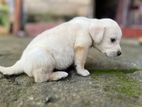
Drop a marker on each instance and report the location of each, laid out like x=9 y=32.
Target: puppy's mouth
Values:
x=109 y=53
x=113 y=54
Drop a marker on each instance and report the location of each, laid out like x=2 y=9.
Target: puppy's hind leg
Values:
x=57 y=75
x=40 y=75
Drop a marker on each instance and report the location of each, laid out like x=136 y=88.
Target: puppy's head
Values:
x=106 y=35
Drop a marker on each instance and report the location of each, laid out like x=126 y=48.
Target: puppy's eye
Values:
x=112 y=40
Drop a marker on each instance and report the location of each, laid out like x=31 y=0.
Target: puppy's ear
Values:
x=97 y=33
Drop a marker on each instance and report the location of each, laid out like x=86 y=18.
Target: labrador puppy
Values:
x=65 y=44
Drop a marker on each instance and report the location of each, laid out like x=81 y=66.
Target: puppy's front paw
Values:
x=83 y=72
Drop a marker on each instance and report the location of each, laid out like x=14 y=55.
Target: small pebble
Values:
x=48 y=99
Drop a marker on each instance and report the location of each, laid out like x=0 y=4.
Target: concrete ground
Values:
x=114 y=82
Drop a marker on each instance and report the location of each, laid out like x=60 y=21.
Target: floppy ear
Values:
x=97 y=33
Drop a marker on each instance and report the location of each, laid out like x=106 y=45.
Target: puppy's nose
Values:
x=118 y=53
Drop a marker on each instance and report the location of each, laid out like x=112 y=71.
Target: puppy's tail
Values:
x=15 y=69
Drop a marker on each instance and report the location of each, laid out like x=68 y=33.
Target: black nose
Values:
x=118 y=53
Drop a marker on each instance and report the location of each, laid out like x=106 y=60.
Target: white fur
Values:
x=65 y=44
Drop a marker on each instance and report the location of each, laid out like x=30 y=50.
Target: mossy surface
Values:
x=118 y=81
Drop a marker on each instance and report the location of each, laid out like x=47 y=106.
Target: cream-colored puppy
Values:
x=65 y=44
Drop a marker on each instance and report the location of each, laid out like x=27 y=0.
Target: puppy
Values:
x=65 y=44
